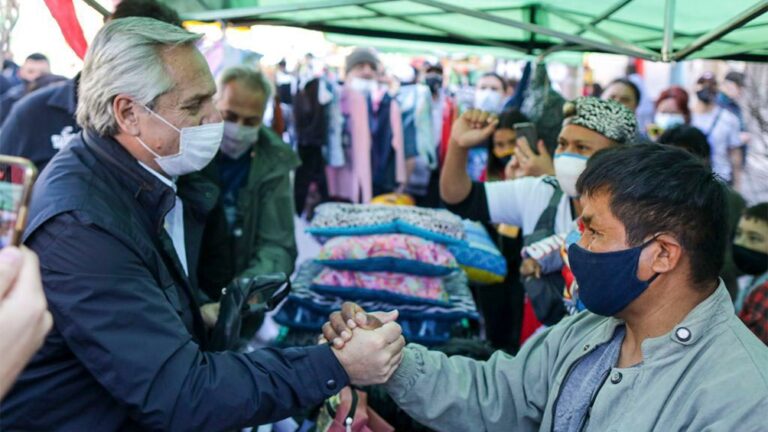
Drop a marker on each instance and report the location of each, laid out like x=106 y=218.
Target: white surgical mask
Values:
x=668 y=120
x=568 y=168
x=238 y=139
x=488 y=100
x=363 y=85
x=197 y=147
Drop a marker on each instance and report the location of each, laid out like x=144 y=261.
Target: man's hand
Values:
x=338 y=329
x=473 y=128
x=24 y=316
x=372 y=356
x=210 y=313
x=532 y=164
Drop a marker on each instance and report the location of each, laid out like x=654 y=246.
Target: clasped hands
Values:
x=368 y=345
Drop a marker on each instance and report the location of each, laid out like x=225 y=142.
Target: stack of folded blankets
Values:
x=390 y=257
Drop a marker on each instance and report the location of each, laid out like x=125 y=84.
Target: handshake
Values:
x=368 y=345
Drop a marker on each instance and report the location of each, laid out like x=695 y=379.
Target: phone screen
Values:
x=16 y=178
x=11 y=194
x=528 y=130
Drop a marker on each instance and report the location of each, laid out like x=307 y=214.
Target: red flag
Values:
x=63 y=12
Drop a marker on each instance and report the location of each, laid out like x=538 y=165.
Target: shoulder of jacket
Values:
x=278 y=149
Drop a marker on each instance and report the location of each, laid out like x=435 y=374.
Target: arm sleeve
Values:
x=127 y=332
x=509 y=200
x=458 y=393
x=474 y=206
x=275 y=248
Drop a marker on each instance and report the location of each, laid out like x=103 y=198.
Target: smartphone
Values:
x=528 y=130
x=17 y=175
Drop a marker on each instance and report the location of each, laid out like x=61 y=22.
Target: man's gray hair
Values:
x=125 y=59
x=251 y=78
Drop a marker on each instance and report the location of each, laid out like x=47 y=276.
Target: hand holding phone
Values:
x=16 y=178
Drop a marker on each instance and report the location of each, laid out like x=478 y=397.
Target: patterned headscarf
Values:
x=606 y=117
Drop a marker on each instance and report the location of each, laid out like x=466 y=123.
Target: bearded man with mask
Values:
x=117 y=219
x=659 y=349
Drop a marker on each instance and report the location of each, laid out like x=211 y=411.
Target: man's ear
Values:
x=665 y=254
x=126 y=111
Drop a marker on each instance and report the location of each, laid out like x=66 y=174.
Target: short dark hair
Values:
x=498 y=77
x=663 y=189
x=758 y=211
x=146 y=9
x=628 y=83
x=688 y=138
x=37 y=57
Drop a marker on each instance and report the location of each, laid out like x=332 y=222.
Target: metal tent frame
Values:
x=575 y=41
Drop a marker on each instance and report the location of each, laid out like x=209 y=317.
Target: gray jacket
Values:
x=712 y=377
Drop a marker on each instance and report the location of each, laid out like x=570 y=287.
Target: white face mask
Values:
x=238 y=139
x=668 y=120
x=363 y=85
x=568 y=168
x=488 y=100
x=197 y=147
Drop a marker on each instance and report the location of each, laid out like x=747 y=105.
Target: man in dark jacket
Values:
x=117 y=220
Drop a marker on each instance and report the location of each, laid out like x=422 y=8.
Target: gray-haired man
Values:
x=118 y=238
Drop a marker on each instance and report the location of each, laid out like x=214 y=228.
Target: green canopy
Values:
x=658 y=30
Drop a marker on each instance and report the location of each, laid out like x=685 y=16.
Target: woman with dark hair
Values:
x=501 y=146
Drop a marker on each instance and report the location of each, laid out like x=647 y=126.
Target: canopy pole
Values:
x=448 y=33
x=582 y=28
x=669 y=30
x=748 y=15
x=98 y=7
x=273 y=9
x=538 y=29
x=623 y=43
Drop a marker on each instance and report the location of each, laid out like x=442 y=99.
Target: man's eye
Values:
x=582 y=148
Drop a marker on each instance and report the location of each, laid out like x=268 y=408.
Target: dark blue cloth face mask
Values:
x=608 y=280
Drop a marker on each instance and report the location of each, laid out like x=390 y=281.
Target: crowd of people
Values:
x=636 y=296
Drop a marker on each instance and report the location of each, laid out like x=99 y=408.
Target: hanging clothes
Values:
x=355 y=180
x=312 y=121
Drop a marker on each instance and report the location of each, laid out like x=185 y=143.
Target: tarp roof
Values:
x=659 y=30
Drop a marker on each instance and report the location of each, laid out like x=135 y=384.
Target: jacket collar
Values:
x=153 y=196
x=65 y=96
x=693 y=328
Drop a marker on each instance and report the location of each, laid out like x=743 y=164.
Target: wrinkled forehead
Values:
x=190 y=74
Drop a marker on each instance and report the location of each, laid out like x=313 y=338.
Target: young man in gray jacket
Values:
x=660 y=347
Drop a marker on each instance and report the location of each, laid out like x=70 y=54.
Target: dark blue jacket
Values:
x=127 y=348
x=41 y=123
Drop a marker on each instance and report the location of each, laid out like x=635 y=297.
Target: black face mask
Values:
x=749 y=261
x=434 y=83
x=706 y=95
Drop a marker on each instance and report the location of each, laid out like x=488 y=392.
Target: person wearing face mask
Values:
x=750 y=251
x=254 y=167
x=671 y=109
x=489 y=97
x=722 y=129
x=591 y=125
x=659 y=347
x=542 y=207
x=117 y=222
